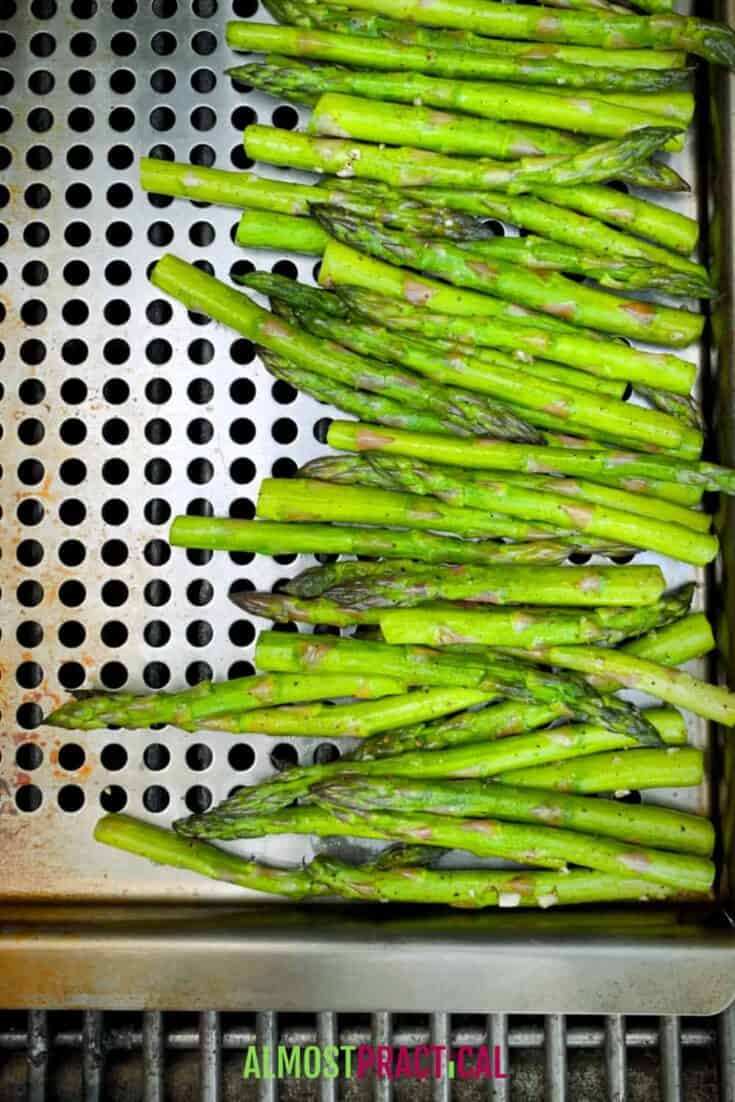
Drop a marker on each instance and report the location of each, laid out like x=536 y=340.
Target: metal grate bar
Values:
x=440 y=1033
x=210 y=1057
x=266 y=1036
x=153 y=1056
x=326 y=1034
x=615 y=1058
x=93 y=1057
x=497 y=1038
x=671 y=1084
x=37 y=1055
x=382 y=1034
x=727 y=1055
x=556 y=1058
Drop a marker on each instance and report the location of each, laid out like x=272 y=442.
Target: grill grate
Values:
x=556 y=1058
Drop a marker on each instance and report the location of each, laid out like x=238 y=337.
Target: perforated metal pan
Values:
x=120 y=411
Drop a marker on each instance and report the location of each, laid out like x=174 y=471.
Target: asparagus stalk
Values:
x=675 y=767
x=487 y=627
x=378 y=26
x=374 y=471
x=670 y=685
x=402 y=855
x=343 y=266
x=209 y=699
x=543 y=506
x=627 y=212
x=285 y=609
x=509 y=103
x=242 y=189
x=640 y=824
x=167 y=848
x=584 y=463
x=267 y=230
x=457 y=367
x=590 y=586
x=539 y=845
x=569 y=697
x=478 y=888
x=295 y=294
x=550 y=293
x=360 y=403
x=616 y=274
x=678 y=405
x=712 y=41
x=464 y=761
x=361 y=52
x=582 y=230
x=409 y=167
x=609 y=359
x=354 y=720
x=296 y=499
x=687 y=638
x=273 y=538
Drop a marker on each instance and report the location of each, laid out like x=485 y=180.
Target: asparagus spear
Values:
x=377 y=26
x=616 y=274
x=487 y=627
x=672 y=645
x=360 y=403
x=266 y=538
x=627 y=212
x=713 y=41
x=268 y=230
x=235 y=309
x=296 y=499
x=500 y=585
x=672 y=686
x=167 y=848
x=569 y=406
x=582 y=230
x=343 y=266
x=510 y=103
x=678 y=405
x=374 y=471
x=539 y=845
x=640 y=824
x=610 y=359
x=298 y=295
x=471 y=760
x=584 y=463
x=359 y=51
x=354 y=720
x=675 y=767
x=402 y=855
x=569 y=697
x=543 y=506
x=477 y=888
x=209 y=699
x=550 y=293
x=242 y=189
x=285 y=609
x=409 y=167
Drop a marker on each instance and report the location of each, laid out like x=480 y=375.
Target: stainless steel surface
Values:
x=556 y=1059
x=210 y=1057
x=707 y=1073
x=266 y=1036
x=116 y=416
x=153 y=1056
x=497 y=1039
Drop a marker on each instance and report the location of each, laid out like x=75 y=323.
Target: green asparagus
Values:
x=361 y=52
x=713 y=41
x=267 y=230
x=194 y=707
x=509 y=103
x=492 y=455
x=675 y=767
x=550 y=293
x=404 y=166
x=640 y=824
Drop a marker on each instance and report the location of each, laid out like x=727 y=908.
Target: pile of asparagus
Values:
x=456 y=752
x=488 y=375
